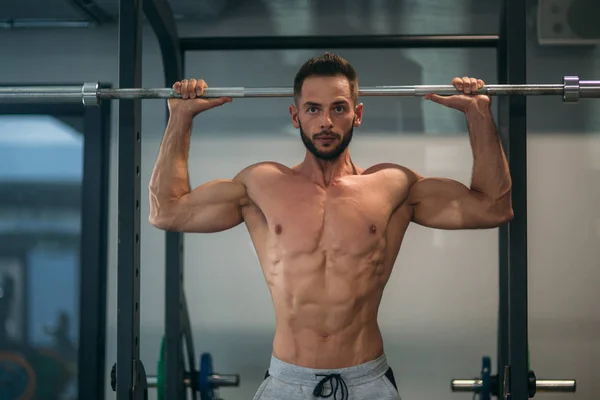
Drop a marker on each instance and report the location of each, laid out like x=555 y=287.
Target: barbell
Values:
x=487 y=385
x=90 y=94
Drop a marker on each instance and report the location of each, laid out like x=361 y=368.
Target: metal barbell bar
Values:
x=90 y=94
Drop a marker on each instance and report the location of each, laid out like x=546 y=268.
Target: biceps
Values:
x=448 y=204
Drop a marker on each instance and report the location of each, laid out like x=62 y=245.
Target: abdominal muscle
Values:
x=326 y=308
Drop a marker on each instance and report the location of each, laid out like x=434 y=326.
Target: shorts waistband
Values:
x=355 y=375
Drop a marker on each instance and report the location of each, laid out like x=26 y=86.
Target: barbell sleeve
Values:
x=90 y=94
x=152 y=381
x=42 y=94
x=464 y=385
x=555 y=385
x=541 y=385
x=589 y=89
x=222 y=380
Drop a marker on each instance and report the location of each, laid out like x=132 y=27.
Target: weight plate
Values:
x=17 y=379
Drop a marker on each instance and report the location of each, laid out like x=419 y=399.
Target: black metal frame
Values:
x=130 y=373
x=93 y=241
x=94 y=251
x=513 y=348
x=177 y=326
x=339 y=42
x=131 y=382
x=512 y=338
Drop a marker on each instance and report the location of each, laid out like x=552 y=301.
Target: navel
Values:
x=373 y=229
x=278 y=229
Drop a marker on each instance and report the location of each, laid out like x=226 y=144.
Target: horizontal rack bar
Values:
x=338 y=42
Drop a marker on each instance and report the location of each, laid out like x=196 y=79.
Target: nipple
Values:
x=278 y=229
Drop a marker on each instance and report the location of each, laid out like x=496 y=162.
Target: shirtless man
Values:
x=326 y=231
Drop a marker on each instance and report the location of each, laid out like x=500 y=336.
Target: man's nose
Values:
x=326 y=122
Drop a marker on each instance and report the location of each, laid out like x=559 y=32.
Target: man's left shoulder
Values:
x=392 y=170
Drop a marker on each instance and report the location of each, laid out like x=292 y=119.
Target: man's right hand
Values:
x=190 y=103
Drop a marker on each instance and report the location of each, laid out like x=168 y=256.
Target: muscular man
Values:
x=326 y=231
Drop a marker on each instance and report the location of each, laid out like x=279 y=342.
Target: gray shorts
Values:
x=373 y=380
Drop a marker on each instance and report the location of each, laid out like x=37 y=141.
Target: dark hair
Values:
x=327 y=64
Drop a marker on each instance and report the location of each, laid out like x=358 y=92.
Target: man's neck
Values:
x=325 y=172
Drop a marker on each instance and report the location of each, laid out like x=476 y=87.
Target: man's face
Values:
x=326 y=116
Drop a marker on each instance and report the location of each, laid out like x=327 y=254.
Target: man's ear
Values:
x=294 y=115
x=358 y=112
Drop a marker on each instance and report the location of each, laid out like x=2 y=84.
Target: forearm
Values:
x=491 y=175
x=170 y=178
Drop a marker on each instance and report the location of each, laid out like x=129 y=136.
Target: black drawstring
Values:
x=339 y=385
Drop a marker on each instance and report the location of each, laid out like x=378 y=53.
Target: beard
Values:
x=330 y=154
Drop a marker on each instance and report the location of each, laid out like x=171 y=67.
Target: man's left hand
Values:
x=463 y=102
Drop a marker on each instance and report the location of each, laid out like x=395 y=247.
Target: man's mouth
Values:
x=326 y=138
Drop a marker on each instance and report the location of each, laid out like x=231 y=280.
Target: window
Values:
x=45 y=233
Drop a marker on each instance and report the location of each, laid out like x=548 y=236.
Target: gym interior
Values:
x=91 y=291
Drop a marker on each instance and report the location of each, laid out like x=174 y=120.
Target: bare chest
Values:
x=339 y=220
